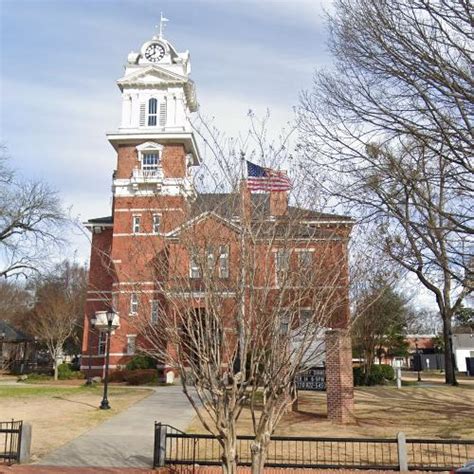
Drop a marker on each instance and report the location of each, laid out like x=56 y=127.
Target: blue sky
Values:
x=60 y=60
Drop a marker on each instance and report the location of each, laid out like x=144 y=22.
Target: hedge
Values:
x=65 y=372
x=379 y=375
x=135 y=377
x=140 y=362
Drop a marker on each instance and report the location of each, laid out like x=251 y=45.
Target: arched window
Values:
x=152 y=112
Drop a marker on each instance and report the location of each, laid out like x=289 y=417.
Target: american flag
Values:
x=266 y=179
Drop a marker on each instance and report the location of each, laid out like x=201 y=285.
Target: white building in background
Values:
x=463 y=347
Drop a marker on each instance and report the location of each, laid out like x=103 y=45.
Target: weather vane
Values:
x=162 y=25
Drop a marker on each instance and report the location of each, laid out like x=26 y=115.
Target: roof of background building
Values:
x=227 y=205
x=12 y=334
x=464 y=341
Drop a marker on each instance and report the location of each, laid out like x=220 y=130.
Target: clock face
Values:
x=155 y=52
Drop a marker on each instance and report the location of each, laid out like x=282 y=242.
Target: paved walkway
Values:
x=126 y=440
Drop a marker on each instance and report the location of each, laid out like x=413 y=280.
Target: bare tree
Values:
x=57 y=315
x=389 y=132
x=31 y=220
x=246 y=297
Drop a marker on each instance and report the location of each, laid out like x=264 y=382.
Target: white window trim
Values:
x=134 y=217
x=149 y=147
x=150 y=115
x=102 y=343
x=134 y=302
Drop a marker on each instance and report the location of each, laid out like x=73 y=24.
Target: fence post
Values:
x=402 y=452
x=159 y=455
x=24 y=441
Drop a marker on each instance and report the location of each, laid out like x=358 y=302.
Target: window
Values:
x=136 y=224
x=306 y=316
x=305 y=260
x=155 y=308
x=282 y=264
x=150 y=161
x=156 y=223
x=131 y=344
x=284 y=322
x=152 y=112
x=102 y=343
x=224 y=261
x=133 y=303
x=194 y=270
x=211 y=260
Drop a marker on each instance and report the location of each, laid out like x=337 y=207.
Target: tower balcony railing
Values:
x=141 y=175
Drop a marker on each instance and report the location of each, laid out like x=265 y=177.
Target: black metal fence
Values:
x=437 y=455
x=10 y=441
x=174 y=447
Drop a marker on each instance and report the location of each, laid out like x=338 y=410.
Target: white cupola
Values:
x=157 y=97
x=157 y=92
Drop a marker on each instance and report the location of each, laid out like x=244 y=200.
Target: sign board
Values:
x=398 y=362
x=313 y=379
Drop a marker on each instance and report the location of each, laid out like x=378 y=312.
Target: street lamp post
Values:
x=418 y=359
x=2 y=338
x=89 y=371
x=104 y=405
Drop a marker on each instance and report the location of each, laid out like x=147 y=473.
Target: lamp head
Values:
x=2 y=335
x=110 y=316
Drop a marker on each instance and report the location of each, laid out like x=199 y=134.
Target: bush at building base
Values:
x=140 y=362
x=135 y=377
x=379 y=375
x=66 y=372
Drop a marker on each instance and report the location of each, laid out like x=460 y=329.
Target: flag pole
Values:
x=243 y=259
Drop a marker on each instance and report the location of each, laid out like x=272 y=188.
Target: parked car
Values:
x=468 y=468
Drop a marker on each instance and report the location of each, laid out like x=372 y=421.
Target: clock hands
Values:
x=154 y=52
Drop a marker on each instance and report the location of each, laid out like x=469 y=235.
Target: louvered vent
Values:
x=142 y=114
x=163 y=113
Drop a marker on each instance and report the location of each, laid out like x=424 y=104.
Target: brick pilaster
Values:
x=339 y=380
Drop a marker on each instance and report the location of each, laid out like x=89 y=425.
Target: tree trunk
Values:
x=259 y=454
x=450 y=373
x=229 y=458
x=55 y=368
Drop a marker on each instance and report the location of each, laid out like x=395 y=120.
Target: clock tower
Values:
x=152 y=190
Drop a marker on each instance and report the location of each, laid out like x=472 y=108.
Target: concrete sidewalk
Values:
x=126 y=440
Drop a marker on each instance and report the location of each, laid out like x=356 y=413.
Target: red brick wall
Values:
x=137 y=262
x=339 y=380
x=278 y=203
x=173 y=161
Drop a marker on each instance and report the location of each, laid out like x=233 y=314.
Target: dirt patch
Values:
x=427 y=412
x=60 y=414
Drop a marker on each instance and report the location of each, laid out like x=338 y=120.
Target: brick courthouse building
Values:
x=154 y=200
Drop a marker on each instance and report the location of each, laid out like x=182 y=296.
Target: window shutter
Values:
x=163 y=113
x=142 y=114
